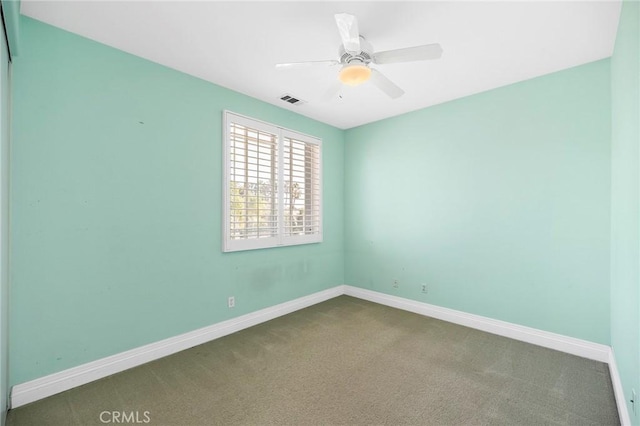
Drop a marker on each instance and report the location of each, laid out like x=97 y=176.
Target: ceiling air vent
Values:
x=293 y=101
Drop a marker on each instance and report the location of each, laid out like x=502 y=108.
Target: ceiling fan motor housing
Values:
x=365 y=55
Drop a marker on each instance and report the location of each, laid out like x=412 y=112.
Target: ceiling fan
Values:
x=355 y=54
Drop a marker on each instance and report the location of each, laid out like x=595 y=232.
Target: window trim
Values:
x=280 y=240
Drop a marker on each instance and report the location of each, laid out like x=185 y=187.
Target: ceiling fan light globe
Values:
x=355 y=74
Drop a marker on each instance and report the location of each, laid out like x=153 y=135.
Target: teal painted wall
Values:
x=11 y=18
x=5 y=106
x=625 y=200
x=499 y=202
x=116 y=206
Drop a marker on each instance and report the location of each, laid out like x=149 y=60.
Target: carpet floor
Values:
x=345 y=362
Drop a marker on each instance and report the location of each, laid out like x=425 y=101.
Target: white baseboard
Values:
x=52 y=384
x=546 y=339
x=618 y=390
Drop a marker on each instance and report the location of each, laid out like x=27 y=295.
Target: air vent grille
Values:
x=292 y=100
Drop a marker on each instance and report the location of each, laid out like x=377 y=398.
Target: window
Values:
x=272 y=185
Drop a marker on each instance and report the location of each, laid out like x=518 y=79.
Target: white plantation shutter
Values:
x=252 y=183
x=272 y=186
x=301 y=169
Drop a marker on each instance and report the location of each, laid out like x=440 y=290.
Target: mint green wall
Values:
x=116 y=206
x=11 y=18
x=625 y=200
x=499 y=202
x=5 y=106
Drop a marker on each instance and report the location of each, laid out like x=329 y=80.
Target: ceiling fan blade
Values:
x=348 y=27
x=417 y=53
x=332 y=91
x=305 y=64
x=386 y=85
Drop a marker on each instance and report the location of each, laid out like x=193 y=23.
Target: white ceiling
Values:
x=236 y=45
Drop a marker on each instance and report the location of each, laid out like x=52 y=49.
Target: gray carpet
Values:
x=346 y=361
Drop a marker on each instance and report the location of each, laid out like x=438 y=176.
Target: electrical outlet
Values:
x=231 y=302
x=395 y=283
x=424 y=288
x=634 y=401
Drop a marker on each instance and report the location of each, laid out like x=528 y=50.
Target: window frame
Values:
x=280 y=239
